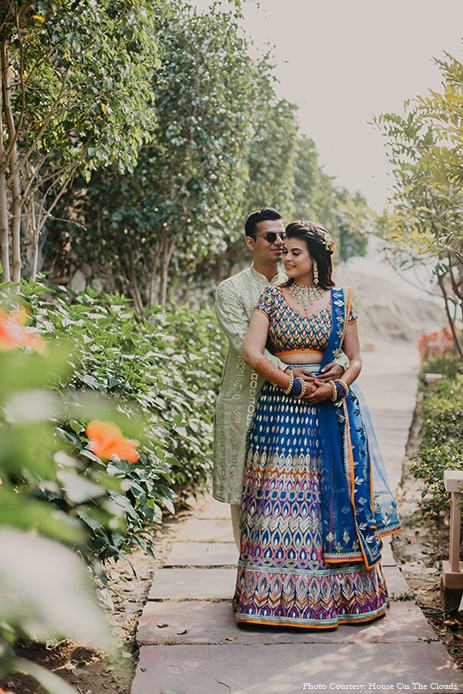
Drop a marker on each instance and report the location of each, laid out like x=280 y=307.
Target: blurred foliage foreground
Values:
x=440 y=409
x=105 y=421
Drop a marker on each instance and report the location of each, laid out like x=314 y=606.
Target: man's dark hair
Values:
x=259 y=216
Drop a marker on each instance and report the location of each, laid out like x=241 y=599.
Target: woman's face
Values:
x=297 y=261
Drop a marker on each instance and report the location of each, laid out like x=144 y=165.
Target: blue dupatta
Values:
x=358 y=508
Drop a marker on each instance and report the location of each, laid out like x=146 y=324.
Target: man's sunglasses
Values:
x=271 y=236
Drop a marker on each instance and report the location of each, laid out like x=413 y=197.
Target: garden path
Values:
x=188 y=637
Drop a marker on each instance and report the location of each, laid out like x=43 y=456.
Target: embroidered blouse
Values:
x=290 y=330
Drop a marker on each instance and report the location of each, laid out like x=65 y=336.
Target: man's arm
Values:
x=234 y=321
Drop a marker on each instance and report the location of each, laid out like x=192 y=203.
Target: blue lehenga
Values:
x=315 y=503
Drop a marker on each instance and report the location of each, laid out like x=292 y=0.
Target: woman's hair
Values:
x=320 y=246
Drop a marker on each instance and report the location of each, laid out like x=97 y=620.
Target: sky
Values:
x=343 y=61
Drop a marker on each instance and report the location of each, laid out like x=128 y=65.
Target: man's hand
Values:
x=331 y=372
x=299 y=372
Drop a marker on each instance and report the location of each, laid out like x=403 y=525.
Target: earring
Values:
x=315 y=273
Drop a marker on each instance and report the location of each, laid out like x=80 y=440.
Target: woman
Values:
x=315 y=502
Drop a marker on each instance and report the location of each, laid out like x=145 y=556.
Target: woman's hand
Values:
x=323 y=392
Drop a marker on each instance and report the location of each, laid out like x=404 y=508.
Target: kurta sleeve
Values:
x=234 y=320
x=342 y=359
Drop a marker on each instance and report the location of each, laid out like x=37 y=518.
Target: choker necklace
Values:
x=305 y=295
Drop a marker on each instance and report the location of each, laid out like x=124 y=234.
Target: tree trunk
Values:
x=456 y=341
x=154 y=267
x=15 y=182
x=132 y=275
x=35 y=238
x=16 y=226
x=4 y=240
x=167 y=249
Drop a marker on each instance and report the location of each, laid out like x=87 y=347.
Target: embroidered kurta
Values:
x=236 y=298
x=240 y=387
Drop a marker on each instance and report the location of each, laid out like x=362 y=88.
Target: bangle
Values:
x=288 y=389
x=303 y=388
x=334 y=390
x=342 y=388
x=297 y=388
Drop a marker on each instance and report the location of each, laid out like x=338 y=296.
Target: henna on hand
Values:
x=322 y=392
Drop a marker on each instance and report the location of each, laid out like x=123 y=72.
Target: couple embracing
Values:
x=294 y=450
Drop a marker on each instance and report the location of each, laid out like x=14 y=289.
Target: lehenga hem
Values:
x=314 y=624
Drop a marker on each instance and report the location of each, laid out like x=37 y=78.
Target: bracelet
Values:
x=334 y=390
x=287 y=390
x=297 y=388
x=303 y=388
x=343 y=389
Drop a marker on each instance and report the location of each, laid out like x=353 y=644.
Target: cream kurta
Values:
x=240 y=388
x=236 y=298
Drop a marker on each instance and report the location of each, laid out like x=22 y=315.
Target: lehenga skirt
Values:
x=283 y=578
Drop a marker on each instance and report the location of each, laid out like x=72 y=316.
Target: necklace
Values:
x=305 y=295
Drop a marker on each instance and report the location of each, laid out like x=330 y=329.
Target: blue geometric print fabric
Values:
x=315 y=505
x=293 y=331
x=282 y=575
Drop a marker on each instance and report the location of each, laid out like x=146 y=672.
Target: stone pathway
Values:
x=189 y=640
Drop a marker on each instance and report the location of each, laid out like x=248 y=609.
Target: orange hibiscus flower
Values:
x=13 y=334
x=106 y=441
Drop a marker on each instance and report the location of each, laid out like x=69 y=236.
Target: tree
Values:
x=186 y=190
x=427 y=219
x=347 y=217
x=75 y=96
x=272 y=149
x=314 y=192
x=356 y=222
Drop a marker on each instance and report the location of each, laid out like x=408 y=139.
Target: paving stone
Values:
x=395 y=581
x=203 y=554
x=197 y=622
x=206 y=530
x=193 y=584
x=285 y=669
x=386 y=553
x=215 y=510
x=219 y=584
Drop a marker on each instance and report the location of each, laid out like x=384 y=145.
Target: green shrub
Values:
x=44 y=586
x=441 y=434
x=156 y=379
x=162 y=373
x=449 y=366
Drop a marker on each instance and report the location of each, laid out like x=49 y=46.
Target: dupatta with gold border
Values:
x=358 y=507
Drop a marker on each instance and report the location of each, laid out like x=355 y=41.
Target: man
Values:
x=240 y=388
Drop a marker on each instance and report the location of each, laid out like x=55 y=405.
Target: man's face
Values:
x=268 y=245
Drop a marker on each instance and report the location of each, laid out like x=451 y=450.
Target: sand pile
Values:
x=387 y=312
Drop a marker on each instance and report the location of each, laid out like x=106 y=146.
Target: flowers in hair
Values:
x=329 y=243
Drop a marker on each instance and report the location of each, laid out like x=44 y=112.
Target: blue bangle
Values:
x=297 y=388
x=341 y=390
